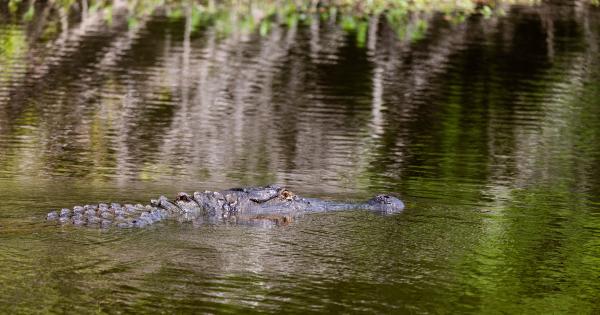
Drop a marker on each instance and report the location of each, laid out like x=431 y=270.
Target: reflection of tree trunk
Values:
x=229 y=109
x=592 y=39
x=530 y=146
x=123 y=167
x=433 y=56
x=546 y=160
x=38 y=23
x=4 y=11
x=373 y=28
x=64 y=19
x=377 y=103
x=180 y=137
x=84 y=10
x=63 y=46
x=63 y=49
x=74 y=103
x=405 y=97
x=315 y=30
x=548 y=26
x=230 y=72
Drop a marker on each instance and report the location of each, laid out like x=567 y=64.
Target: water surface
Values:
x=489 y=129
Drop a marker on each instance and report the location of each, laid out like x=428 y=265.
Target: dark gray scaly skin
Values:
x=252 y=204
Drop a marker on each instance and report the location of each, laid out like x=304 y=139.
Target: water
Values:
x=488 y=129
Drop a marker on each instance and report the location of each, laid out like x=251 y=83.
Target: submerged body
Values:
x=271 y=203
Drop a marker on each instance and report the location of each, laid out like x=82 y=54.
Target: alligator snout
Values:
x=386 y=204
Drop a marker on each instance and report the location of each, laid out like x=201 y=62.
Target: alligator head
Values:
x=385 y=204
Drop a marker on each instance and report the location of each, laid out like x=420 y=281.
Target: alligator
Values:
x=272 y=203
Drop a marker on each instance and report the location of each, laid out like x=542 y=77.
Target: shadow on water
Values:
x=488 y=128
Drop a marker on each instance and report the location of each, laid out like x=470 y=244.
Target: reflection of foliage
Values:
x=246 y=16
x=13 y=45
x=408 y=17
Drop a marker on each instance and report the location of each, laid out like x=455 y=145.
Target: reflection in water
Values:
x=489 y=128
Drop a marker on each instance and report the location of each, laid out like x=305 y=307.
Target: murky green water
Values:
x=489 y=130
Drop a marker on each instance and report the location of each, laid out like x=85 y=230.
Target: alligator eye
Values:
x=287 y=195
